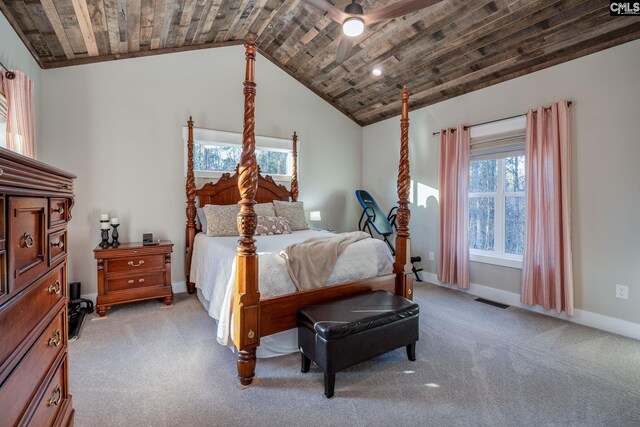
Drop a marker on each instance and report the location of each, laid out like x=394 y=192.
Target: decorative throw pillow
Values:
x=222 y=220
x=264 y=209
x=271 y=225
x=293 y=212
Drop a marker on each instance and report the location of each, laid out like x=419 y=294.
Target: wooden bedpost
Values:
x=294 y=172
x=402 y=266
x=190 y=234
x=246 y=304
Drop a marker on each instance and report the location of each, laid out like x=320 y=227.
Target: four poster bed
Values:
x=254 y=317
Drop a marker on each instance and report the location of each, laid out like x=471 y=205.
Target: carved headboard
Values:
x=225 y=191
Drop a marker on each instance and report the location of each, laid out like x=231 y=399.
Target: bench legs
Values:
x=305 y=363
x=411 y=352
x=329 y=384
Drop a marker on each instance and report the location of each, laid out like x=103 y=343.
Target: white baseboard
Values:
x=178 y=287
x=582 y=317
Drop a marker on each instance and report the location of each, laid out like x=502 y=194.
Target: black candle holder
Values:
x=105 y=235
x=114 y=234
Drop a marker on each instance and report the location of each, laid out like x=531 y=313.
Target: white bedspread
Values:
x=213 y=268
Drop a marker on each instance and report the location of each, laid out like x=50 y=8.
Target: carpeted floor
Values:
x=478 y=365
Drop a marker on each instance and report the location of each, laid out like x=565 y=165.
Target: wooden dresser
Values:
x=35 y=207
x=133 y=272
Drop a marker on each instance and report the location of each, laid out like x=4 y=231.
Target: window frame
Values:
x=234 y=139
x=494 y=131
x=3 y=129
x=498 y=256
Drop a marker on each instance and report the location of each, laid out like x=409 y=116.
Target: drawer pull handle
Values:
x=59 y=244
x=55 y=288
x=132 y=264
x=59 y=210
x=57 y=396
x=55 y=340
x=141 y=281
x=28 y=240
x=130 y=281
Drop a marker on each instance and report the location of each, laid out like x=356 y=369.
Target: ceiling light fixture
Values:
x=353 y=26
x=376 y=71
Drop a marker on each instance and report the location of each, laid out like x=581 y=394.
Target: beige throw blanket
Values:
x=311 y=262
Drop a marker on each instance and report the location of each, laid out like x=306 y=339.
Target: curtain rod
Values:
x=8 y=73
x=499 y=120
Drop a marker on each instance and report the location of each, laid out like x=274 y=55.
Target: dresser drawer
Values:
x=57 y=246
x=20 y=317
x=18 y=390
x=143 y=280
x=58 y=212
x=49 y=403
x=134 y=264
x=27 y=222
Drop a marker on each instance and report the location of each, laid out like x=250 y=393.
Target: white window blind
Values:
x=504 y=138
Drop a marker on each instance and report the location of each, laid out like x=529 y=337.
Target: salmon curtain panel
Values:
x=21 y=117
x=548 y=269
x=453 y=244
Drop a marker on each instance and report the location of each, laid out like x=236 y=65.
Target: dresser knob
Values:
x=57 y=396
x=141 y=281
x=132 y=264
x=130 y=281
x=59 y=210
x=55 y=340
x=55 y=288
x=27 y=240
x=59 y=244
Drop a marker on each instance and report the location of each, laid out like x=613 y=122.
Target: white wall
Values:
x=14 y=55
x=606 y=172
x=118 y=126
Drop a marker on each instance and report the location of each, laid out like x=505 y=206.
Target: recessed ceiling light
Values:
x=376 y=71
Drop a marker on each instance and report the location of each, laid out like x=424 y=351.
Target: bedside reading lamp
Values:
x=314 y=216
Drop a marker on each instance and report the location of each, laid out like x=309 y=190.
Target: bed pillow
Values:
x=272 y=225
x=293 y=212
x=264 y=209
x=202 y=218
x=221 y=220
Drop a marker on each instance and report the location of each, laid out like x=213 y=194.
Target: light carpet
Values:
x=478 y=365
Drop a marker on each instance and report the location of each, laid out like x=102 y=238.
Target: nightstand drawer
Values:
x=134 y=264
x=134 y=282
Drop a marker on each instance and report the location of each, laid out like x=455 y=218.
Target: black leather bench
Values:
x=345 y=332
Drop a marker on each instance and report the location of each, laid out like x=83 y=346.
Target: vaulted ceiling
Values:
x=448 y=49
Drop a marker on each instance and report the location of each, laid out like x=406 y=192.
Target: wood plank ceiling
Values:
x=454 y=47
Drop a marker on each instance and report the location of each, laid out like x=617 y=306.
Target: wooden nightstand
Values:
x=133 y=272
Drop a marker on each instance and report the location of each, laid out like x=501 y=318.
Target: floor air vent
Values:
x=493 y=303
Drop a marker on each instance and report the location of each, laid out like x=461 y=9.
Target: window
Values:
x=497 y=196
x=217 y=152
x=3 y=121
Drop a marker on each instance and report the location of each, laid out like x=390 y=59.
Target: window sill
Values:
x=490 y=259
